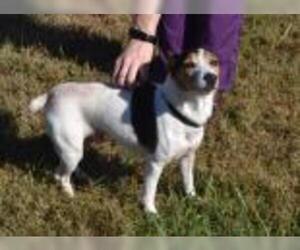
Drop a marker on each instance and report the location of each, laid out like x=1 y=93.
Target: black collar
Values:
x=180 y=116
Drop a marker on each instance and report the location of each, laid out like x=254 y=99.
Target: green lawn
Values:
x=247 y=173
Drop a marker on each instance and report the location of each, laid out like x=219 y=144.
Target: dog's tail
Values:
x=38 y=103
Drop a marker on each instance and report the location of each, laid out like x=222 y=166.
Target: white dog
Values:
x=164 y=122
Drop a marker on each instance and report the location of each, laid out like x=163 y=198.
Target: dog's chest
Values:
x=189 y=140
x=157 y=129
x=175 y=139
x=192 y=138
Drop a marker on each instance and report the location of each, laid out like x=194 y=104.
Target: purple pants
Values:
x=217 y=33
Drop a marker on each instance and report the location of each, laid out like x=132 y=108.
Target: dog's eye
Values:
x=214 y=62
x=190 y=65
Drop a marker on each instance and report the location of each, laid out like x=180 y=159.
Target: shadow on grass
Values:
x=36 y=155
x=61 y=42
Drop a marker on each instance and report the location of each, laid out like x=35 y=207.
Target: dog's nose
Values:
x=210 y=79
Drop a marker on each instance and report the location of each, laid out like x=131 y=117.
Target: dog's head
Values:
x=196 y=70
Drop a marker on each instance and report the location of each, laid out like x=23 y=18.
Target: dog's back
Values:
x=87 y=108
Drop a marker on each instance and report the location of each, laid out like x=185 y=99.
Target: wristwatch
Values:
x=137 y=33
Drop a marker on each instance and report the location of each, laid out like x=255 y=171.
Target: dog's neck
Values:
x=196 y=107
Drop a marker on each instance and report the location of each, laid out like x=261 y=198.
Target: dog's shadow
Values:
x=36 y=155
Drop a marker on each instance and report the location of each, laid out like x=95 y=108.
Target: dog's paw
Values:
x=147 y=205
x=191 y=194
x=68 y=190
x=150 y=209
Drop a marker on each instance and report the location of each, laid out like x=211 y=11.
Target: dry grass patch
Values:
x=248 y=166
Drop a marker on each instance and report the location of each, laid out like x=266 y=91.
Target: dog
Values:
x=164 y=122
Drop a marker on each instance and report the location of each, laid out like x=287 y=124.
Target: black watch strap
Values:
x=138 y=34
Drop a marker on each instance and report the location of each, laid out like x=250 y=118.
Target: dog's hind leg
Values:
x=70 y=155
x=69 y=163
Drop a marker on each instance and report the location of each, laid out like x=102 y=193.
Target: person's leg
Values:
x=171 y=32
x=215 y=32
x=219 y=34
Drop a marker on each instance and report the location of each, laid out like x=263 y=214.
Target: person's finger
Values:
x=116 y=71
x=122 y=74
x=132 y=74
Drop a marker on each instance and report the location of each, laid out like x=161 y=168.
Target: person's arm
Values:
x=147 y=22
x=137 y=53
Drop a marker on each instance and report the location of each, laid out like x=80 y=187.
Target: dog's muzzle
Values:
x=211 y=80
x=207 y=82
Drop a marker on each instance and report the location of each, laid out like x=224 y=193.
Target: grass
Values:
x=247 y=173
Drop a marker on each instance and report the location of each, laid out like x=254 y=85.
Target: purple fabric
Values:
x=215 y=32
x=203 y=6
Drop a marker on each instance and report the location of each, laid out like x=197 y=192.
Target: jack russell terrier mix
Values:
x=164 y=122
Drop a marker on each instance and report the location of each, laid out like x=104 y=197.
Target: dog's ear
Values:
x=174 y=61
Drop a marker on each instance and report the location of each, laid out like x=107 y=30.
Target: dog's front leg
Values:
x=187 y=170
x=152 y=174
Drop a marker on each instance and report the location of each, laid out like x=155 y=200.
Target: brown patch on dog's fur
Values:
x=180 y=72
x=213 y=61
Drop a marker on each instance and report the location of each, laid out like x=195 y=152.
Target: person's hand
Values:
x=134 y=60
